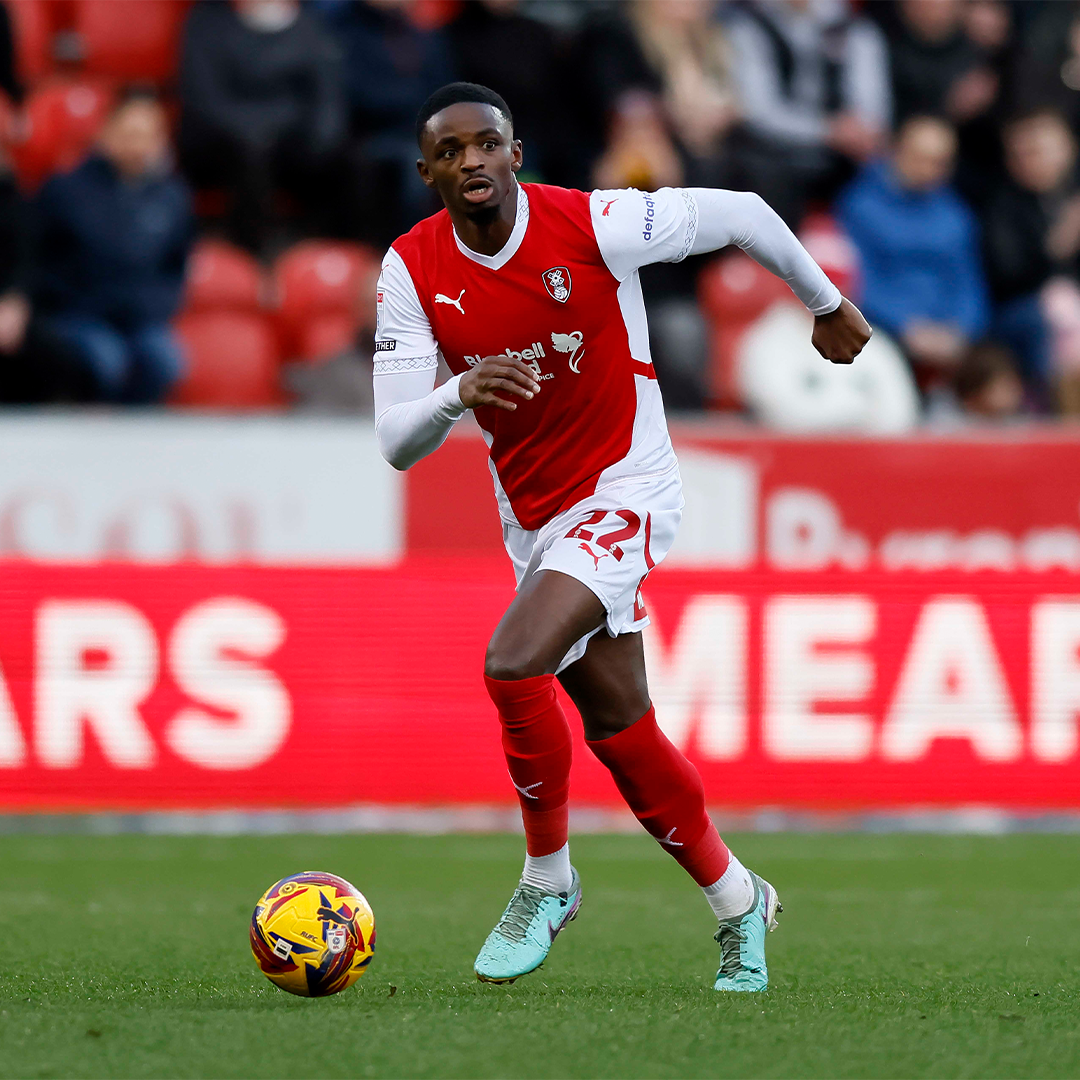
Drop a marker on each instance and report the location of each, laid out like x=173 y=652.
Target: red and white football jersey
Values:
x=563 y=295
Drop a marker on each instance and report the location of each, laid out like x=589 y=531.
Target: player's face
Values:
x=470 y=157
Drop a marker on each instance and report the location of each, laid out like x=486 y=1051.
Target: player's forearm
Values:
x=410 y=430
x=747 y=221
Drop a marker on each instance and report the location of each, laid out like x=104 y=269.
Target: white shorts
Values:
x=609 y=542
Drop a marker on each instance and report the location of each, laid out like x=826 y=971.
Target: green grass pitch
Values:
x=897 y=956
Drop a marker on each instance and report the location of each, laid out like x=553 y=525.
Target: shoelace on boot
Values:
x=521 y=911
x=730 y=939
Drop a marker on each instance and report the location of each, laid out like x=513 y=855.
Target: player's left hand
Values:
x=841 y=335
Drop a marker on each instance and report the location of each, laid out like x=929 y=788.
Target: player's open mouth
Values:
x=477 y=189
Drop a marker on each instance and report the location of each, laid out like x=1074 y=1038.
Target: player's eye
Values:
x=449 y=152
x=490 y=144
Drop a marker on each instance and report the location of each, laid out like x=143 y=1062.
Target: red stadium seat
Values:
x=232 y=361
x=64 y=118
x=832 y=250
x=733 y=291
x=33 y=26
x=130 y=39
x=325 y=336
x=317 y=279
x=7 y=119
x=432 y=14
x=222 y=277
x=320 y=275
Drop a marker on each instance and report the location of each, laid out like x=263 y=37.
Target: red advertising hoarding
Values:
x=188 y=686
x=967 y=502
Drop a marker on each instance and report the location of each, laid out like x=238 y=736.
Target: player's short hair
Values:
x=456 y=93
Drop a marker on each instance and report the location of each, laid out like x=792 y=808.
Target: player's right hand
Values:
x=495 y=377
x=841 y=334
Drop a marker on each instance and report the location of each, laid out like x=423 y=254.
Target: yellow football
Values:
x=313 y=934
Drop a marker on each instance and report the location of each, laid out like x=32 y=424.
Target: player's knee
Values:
x=511 y=669
x=604 y=724
x=509 y=664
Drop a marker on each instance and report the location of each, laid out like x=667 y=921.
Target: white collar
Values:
x=509 y=249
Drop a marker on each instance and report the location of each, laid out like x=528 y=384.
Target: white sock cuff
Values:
x=550 y=873
x=733 y=893
x=725 y=879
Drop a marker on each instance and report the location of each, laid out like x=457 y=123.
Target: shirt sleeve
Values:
x=403 y=337
x=634 y=228
x=412 y=415
x=412 y=420
x=747 y=221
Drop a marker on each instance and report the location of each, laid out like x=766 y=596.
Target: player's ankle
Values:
x=549 y=873
x=733 y=894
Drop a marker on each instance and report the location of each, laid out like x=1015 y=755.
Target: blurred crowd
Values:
x=926 y=151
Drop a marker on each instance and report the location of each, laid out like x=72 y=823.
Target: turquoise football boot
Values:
x=742 y=941
x=522 y=937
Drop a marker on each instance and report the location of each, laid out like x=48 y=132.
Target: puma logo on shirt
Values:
x=442 y=298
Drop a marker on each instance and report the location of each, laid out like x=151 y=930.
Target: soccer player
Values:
x=532 y=295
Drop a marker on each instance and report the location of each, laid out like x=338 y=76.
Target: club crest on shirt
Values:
x=557 y=282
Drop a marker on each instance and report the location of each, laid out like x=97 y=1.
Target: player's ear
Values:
x=515 y=155
x=425 y=175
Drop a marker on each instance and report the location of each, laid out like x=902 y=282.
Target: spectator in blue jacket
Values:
x=114 y=240
x=918 y=242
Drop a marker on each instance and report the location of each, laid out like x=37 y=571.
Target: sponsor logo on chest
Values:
x=530 y=356
x=572 y=345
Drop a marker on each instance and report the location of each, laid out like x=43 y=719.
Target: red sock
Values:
x=666 y=794
x=536 y=741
